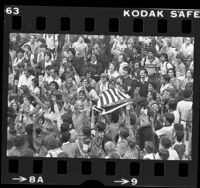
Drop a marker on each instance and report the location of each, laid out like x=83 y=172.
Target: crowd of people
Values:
x=56 y=80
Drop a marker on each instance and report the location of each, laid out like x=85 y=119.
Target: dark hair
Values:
x=20 y=50
x=35 y=81
x=48 y=67
x=124 y=133
x=166 y=142
x=41 y=40
x=172 y=103
x=172 y=70
x=30 y=71
x=169 y=117
x=27 y=46
x=153 y=93
x=179 y=136
x=21 y=65
x=166 y=77
x=128 y=69
x=154 y=84
x=64 y=127
x=20 y=140
x=48 y=53
x=101 y=126
x=29 y=128
x=178 y=127
x=149 y=147
x=163 y=153
x=115 y=116
x=187 y=93
x=72 y=50
x=190 y=71
x=38 y=130
x=55 y=83
x=43 y=45
x=65 y=136
x=86 y=130
x=165 y=55
x=145 y=70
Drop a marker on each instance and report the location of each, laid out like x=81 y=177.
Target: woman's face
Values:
x=149 y=96
x=111 y=67
x=120 y=58
x=40 y=121
x=47 y=58
x=82 y=96
x=188 y=74
x=187 y=40
x=14 y=106
x=68 y=69
x=170 y=73
x=26 y=101
x=52 y=86
x=163 y=80
x=136 y=65
x=150 y=87
x=134 y=50
x=84 y=82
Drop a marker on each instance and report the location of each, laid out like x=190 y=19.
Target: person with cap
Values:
x=102 y=85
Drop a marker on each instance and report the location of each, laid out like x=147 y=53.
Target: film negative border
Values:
x=83 y=20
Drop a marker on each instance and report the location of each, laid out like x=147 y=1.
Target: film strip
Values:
x=93 y=21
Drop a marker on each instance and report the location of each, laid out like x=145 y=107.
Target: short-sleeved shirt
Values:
x=165 y=131
x=150 y=65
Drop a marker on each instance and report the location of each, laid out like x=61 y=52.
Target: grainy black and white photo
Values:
x=100 y=96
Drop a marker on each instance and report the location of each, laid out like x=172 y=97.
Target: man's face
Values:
x=150 y=55
x=20 y=55
x=48 y=71
x=93 y=58
x=64 y=60
x=166 y=95
x=47 y=58
x=103 y=79
x=52 y=86
x=69 y=54
x=121 y=40
x=142 y=74
x=84 y=82
x=39 y=43
x=120 y=58
x=81 y=39
x=69 y=80
x=32 y=39
x=125 y=72
x=111 y=67
x=52 y=73
x=188 y=40
x=162 y=58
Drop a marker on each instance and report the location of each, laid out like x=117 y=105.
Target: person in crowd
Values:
x=58 y=83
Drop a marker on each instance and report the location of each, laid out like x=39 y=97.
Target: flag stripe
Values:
x=116 y=94
x=106 y=98
x=115 y=97
x=111 y=95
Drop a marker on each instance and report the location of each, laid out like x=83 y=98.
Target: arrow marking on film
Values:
x=20 y=179
x=122 y=181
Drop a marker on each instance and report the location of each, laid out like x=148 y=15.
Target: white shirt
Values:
x=164 y=87
x=121 y=66
x=59 y=81
x=173 y=155
x=183 y=107
x=165 y=131
x=150 y=156
x=176 y=115
x=47 y=63
x=187 y=50
x=47 y=78
x=164 y=66
x=25 y=81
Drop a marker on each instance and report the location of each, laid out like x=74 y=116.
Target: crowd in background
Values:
x=55 y=80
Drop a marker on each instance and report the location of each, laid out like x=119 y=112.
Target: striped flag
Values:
x=111 y=100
